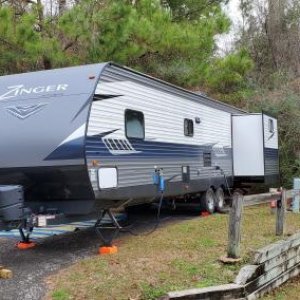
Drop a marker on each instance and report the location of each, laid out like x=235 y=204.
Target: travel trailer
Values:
x=94 y=137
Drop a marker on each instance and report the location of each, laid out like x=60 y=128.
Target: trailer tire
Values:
x=219 y=199
x=207 y=201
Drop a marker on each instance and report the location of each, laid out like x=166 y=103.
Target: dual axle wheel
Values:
x=212 y=200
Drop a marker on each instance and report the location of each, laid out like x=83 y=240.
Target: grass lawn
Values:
x=176 y=256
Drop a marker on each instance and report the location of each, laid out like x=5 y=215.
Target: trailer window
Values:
x=188 y=127
x=271 y=126
x=134 y=124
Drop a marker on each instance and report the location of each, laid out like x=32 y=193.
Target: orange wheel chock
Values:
x=25 y=245
x=205 y=214
x=108 y=250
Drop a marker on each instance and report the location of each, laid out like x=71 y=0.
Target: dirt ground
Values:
x=31 y=267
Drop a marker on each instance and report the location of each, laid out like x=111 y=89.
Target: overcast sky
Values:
x=226 y=41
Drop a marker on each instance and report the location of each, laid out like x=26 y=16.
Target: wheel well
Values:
x=223 y=187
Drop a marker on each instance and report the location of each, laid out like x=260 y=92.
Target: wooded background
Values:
x=174 y=40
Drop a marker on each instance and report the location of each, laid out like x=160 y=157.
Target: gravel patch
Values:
x=31 y=266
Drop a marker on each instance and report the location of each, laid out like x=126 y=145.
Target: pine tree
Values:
x=170 y=40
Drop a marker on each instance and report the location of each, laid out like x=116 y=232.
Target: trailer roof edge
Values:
x=175 y=87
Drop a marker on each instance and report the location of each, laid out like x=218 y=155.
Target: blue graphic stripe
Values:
x=140 y=148
x=69 y=150
x=95 y=146
x=272 y=153
x=271 y=161
x=72 y=149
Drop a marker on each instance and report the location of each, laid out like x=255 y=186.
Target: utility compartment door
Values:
x=248 y=145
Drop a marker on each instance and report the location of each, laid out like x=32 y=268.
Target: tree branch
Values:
x=11 y=45
x=70 y=44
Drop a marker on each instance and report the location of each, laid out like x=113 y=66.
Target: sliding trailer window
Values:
x=188 y=127
x=134 y=124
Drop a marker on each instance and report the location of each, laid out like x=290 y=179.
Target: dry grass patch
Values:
x=288 y=291
x=176 y=256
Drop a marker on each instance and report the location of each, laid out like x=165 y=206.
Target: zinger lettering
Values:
x=19 y=90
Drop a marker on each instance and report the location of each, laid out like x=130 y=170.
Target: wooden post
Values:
x=234 y=231
x=280 y=216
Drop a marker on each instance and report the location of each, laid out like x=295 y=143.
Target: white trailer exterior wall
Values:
x=164 y=119
x=165 y=145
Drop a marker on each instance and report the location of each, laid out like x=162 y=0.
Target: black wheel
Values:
x=207 y=201
x=219 y=199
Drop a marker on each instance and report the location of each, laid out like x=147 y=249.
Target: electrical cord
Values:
x=227 y=185
x=225 y=178
x=156 y=222
x=158 y=216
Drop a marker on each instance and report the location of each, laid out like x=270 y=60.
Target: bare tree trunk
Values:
x=40 y=12
x=61 y=6
x=276 y=32
x=284 y=36
x=294 y=48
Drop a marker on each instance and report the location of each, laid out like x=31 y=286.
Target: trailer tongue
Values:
x=14 y=214
x=11 y=203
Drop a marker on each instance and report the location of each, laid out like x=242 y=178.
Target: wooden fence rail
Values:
x=235 y=216
x=250 y=200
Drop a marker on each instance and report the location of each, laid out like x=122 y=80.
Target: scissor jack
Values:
x=113 y=225
x=25 y=229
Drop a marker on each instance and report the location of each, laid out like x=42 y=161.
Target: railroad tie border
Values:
x=270 y=267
